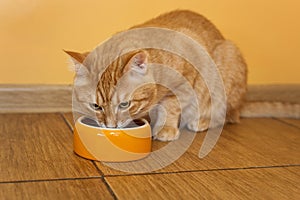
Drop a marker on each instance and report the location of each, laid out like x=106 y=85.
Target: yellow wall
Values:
x=33 y=32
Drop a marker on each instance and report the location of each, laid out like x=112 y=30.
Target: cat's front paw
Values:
x=198 y=125
x=167 y=133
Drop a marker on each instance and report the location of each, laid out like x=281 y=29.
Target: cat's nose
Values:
x=110 y=118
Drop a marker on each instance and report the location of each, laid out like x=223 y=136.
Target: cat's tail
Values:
x=270 y=109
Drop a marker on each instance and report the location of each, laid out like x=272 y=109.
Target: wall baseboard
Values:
x=289 y=93
x=35 y=98
x=58 y=98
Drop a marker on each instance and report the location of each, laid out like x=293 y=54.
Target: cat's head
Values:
x=124 y=91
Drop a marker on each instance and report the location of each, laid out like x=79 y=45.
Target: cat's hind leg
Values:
x=233 y=69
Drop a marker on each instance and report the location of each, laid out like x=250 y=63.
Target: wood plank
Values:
x=293 y=122
x=39 y=146
x=252 y=143
x=35 y=98
x=272 y=183
x=61 y=189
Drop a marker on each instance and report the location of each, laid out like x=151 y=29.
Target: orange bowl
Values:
x=112 y=144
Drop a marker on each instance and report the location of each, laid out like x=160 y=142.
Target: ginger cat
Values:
x=110 y=106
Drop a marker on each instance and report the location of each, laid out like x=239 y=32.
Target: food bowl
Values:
x=112 y=144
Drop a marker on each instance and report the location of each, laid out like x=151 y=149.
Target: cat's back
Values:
x=189 y=23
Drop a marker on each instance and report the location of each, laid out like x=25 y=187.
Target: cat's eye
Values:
x=96 y=107
x=124 y=104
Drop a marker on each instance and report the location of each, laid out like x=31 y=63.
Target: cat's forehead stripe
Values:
x=102 y=92
x=107 y=83
x=98 y=99
x=99 y=94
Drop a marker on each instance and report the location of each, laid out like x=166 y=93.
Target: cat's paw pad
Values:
x=167 y=133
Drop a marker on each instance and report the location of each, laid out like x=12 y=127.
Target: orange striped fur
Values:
x=112 y=98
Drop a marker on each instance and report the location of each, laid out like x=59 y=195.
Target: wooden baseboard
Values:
x=274 y=93
x=35 y=98
x=58 y=98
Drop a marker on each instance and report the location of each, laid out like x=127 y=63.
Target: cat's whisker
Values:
x=103 y=126
x=124 y=124
x=100 y=124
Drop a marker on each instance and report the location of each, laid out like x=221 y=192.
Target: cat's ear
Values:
x=77 y=57
x=137 y=63
x=76 y=60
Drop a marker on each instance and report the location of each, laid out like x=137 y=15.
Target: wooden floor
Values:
x=257 y=159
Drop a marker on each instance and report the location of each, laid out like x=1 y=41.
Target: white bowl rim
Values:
x=79 y=120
